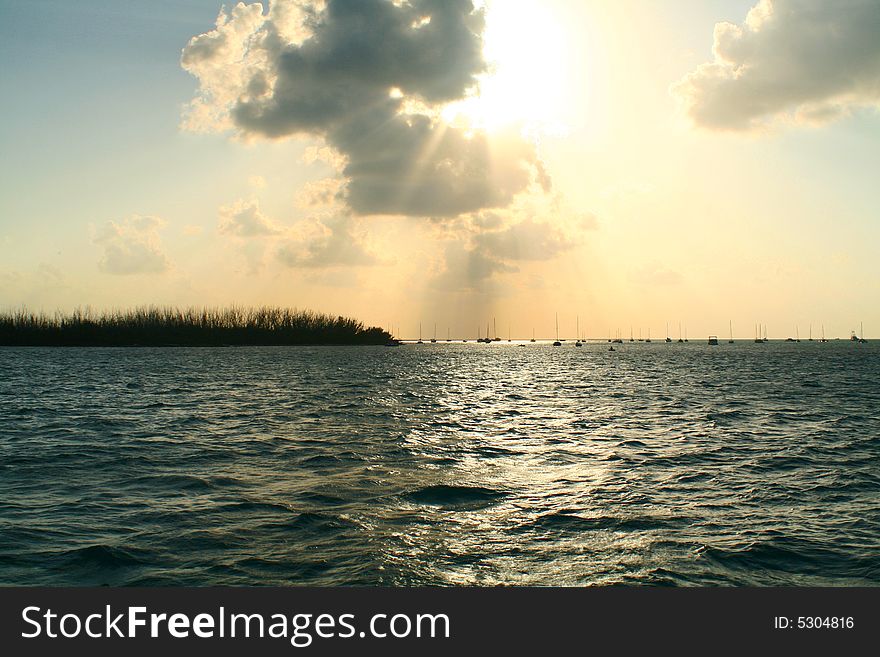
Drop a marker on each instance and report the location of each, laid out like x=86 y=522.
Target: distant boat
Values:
x=487 y=339
x=448 y=338
x=434 y=339
x=797 y=333
x=420 y=334
x=731 y=333
x=631 y=334
x=713 y=339
x=495 y=324
x=811 y=333
x=823 y=334
x=649 y=336
x=533 y=334
x=578 y=343
x=856 y=338
x=668 y=339
x=679 y=333
x=758 y=339
x=557 y=343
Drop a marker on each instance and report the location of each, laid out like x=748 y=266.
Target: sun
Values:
x=525 y=46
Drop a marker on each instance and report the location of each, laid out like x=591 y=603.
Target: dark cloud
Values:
x=368 y=76
x=809 y=60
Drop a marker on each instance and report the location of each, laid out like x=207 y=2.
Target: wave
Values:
x=455 y=496
x=568 y=521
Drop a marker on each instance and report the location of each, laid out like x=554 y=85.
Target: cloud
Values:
x=497 y=243
x=809 y=61
x=529 y=239
x=327 y=242
x=369 y=78
x=469 y=267
x=326 y=193
x=244 y=219
x=132 y=246
x=257 y=182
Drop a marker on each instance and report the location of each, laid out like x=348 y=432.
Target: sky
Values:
x=628 y=166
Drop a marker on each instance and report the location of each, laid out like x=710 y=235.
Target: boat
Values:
x=758 y=339
x=557 y=343
x=508 y=333
x=420 y=334
x=495 y=324
x=448 y=337
x=434 y=339
x=730 y=341
x=533 y=334
x=823 y=334
x=668 y=339
x=487 y=339
x=713 y=339
x=649 y=336
x=680 y=341
x=631 y=334
x=856 y=338
x=578 y=343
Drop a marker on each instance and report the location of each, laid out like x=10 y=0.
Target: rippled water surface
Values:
x=442 y=464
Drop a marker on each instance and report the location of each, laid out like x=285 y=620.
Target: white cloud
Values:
x=132 y=246
x=327 y=242
x=244 y=219
x=806 y=61
x=257 y=182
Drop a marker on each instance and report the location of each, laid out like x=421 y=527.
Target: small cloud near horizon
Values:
x=132 y=246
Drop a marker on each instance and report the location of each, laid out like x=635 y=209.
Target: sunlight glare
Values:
x=525 y=47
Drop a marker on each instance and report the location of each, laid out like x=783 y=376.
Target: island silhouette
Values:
x=154 y=326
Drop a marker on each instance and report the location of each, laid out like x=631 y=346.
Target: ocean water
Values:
x=447 y=464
